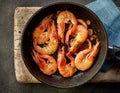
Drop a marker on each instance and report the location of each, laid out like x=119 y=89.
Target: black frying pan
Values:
x=56 y=79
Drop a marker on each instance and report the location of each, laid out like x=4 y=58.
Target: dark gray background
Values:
x=8 y=83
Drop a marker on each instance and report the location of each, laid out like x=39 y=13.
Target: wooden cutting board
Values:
x=21 y=16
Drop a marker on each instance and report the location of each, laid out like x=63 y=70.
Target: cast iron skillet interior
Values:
x=57 y=80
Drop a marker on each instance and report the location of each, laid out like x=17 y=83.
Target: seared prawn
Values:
x=85 y=58
x=65 y=17
x=48 y=67
x=80 y=37
x=52 y=44
x=40 y=35
x=66 y=70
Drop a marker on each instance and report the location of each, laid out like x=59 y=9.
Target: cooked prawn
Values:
x=80 y=38
x=66 y=70
x=52 y=45
x=63 y=18
x=85 y=58
x=48 y=67
x=39 y=34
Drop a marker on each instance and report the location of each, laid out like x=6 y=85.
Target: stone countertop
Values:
x=21 y=16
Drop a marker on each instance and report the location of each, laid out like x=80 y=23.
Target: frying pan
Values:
x=57 y=80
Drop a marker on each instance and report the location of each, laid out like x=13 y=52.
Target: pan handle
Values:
x=115 y=53
x=113 y=57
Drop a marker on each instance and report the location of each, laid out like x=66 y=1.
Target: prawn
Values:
x=39 y=33
x=66 y=70
x=65 y=17
x=52 y=45
x=80 y=38
x=48 y=67
x=85 y=58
